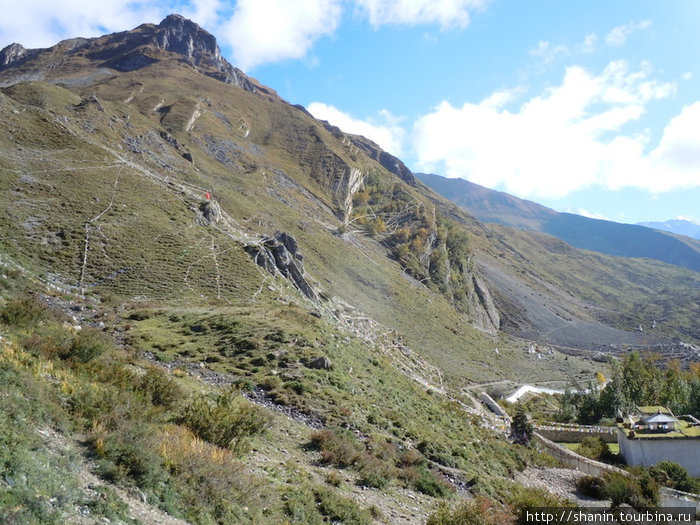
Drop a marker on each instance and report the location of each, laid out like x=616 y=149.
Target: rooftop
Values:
x=683 y=430
x=653 y=409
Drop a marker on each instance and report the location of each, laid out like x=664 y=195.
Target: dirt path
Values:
x=560 y=482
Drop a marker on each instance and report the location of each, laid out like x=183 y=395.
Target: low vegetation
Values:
x=185 y=449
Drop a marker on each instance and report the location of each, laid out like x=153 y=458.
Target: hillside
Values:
x=612 y=238
x=677 y=226
x=199 y=278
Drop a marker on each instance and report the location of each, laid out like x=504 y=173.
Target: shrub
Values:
x=438 y=453
x=87 y=345
x=49 y=342
x=212 y=484
x=639 y=490
x=227 y=421
x=595 y=448
x=340 y=509
x=591 y=486
x=334 y=478
x=158 y=388
x=23 y=312
x=410 y=458
x=429 y=483
x=339 y=448
x=129 y=454
x=481 y=511
x=374 y=472
x=675 y=476
x=526 y=498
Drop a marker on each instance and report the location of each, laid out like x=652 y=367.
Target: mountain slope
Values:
x=224 y=239
x=603 y=236
x=677 y=226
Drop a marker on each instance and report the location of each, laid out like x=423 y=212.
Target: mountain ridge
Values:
x=677 y=226
x=627 y=240
x=254 y=317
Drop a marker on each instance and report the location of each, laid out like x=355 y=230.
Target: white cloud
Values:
x=259 y=31
x=384 y=130
x=569 y=137
x=42 y=23
x=591 y=215
x=272 y=30
x=547 y=52
x=589 y=43
x=675 y=162
x=203 y=12
x=688 y=218
x=447 y=13
x=618 y=35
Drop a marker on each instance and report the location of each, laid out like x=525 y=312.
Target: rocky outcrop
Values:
x=12 y=53
x=180 y=35
x=321 y=363
x=140 y=47
x=387 y=160
x=487 y=316
x=209 y=213
x=344 y=189
x=280 y=255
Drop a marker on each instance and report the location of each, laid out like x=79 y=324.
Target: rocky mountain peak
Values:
x=180 y=35
x=11 y=54
x=131 y=50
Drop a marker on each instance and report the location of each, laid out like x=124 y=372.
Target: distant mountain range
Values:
x=628 y=240
x=678 y=226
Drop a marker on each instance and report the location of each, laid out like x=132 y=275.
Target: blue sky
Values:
x=591 y=107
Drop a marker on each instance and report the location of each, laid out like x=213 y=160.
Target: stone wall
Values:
x=676 y=498
x=572 y=459
x=668 y=497
x=573 y=434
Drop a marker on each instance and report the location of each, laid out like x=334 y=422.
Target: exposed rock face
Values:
x=12 y=53
x=211 y=213
x=488 y=317
x=344 y=189
x=183 y=36
x=180 y=35
x=279 y=254
x=388 y=161
x=131 y=50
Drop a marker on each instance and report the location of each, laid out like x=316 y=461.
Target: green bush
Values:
x=88 y=345
x=23 y=312
x=480 y=511
x=595 y=448
x=128 y=455
x=429 y=483
x=639 y=490
x=339 y=448
x=374 y=472
x=591 y=486
x=227 y=421
x=158 y=388
x=340 y=509
x=673 y=475
x=525 y=498
x=300 y=507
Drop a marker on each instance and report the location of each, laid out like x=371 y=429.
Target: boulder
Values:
x=321 y=363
